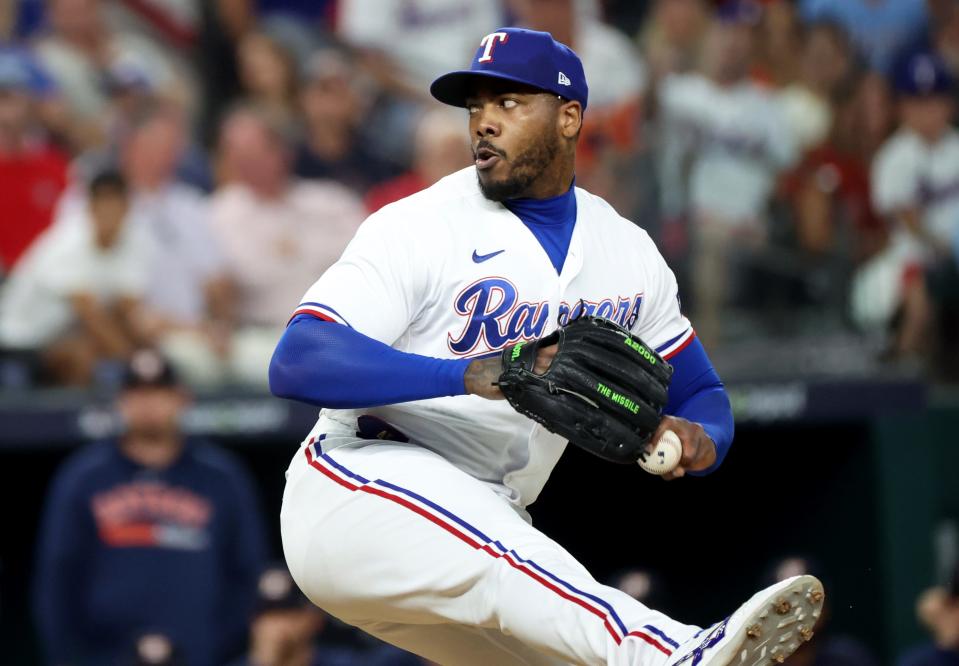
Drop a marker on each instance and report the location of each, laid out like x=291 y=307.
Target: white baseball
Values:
x=665 y=455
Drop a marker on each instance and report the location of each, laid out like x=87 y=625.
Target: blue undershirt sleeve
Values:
x=697 y=394
x=331 y=365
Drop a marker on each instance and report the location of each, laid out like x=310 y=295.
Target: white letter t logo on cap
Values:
x=489 y=41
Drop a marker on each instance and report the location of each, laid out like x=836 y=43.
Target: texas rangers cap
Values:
x=922 y=74
x=524 y=56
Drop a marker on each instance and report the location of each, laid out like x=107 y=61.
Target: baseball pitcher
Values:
x=405 y=508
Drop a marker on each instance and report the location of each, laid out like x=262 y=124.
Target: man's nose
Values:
x=487 y=125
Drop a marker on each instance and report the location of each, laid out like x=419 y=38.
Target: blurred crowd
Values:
x=174 y=174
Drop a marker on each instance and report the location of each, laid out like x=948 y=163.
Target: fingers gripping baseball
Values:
x=699 y=451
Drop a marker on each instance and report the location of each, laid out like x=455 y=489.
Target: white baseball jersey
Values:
x=447 y=273
x=908 y=172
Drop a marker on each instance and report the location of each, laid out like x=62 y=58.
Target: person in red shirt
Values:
x=32 y=173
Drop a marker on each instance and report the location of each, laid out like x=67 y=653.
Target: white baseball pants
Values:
x=395 y=540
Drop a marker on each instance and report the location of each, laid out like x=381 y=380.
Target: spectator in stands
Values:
x=336 y=141
x=278 y=233
x=268 y=75
x=130 y=92
x=941 y=38
x=730 y=137
x=672 y=37
x=778 y=40
x=187 y=302
x=153 y=532
x=441 y=148
x=49 y=111
x=77 y=52
x=825 y=69
x=916 y=173
x=406 y=44
x=937 y=610
x=290 y=631
x=133 y=98
x=830 y=191
x=915 y=185
x=32 y=172
x=833 y=223
x=881 y=29
x=74 y=299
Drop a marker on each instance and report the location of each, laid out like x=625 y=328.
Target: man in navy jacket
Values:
x=150 y=533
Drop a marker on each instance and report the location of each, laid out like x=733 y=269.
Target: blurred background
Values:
x=174 y=174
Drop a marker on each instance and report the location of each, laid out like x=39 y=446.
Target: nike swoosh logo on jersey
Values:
x=480 y=258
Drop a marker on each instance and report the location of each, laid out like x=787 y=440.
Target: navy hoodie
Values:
x=124 y=550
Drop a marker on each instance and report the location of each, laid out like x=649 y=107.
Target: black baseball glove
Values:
x=604 y=390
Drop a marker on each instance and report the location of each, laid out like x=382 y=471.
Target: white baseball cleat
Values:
x=764 y=630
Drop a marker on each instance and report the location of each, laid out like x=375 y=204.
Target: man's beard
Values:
x=527 y=167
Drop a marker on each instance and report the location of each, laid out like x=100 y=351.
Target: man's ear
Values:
x=570 y=119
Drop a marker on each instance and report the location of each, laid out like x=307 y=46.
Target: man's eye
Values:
x=472 y=108
x=509 y=103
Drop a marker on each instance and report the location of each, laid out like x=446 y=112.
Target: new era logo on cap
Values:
x=523 y=56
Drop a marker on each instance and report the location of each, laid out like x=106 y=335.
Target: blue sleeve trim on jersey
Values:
x=697 y=394
x=669 y=343
x=677 y=344
x=330 y=365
